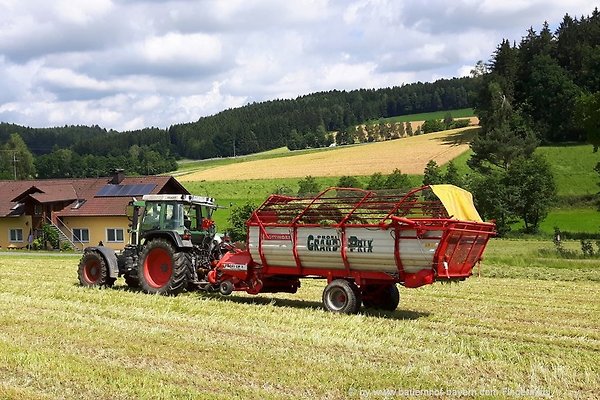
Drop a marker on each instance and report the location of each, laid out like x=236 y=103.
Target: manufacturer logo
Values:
x=235 y=267
x=323 y=243
x=358 y=245
x=334 y=243
x=278 y=236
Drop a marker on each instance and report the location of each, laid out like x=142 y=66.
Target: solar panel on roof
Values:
x=111 y=190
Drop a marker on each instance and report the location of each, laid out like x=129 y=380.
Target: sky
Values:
x=127 y=65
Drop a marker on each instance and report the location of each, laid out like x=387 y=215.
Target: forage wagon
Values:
x=362 y=242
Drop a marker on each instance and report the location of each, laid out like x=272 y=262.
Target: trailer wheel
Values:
x=93 y=271
x=163 y=270
x=341 y=296
x=385 y=297
x=226 y=288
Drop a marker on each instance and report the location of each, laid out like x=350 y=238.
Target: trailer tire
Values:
x=341 y=296
x=162 y=269
x=385 y=298
x=226 y=288
x=93 y=271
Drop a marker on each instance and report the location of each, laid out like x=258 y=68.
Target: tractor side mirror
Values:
x=129 y=211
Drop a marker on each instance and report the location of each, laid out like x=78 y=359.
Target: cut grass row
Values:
x=59 y=340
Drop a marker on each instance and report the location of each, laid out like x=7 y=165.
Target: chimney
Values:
x=118 y=176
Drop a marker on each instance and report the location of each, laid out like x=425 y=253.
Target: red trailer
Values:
x=363 y=242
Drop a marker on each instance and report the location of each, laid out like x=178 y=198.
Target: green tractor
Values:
x=173 y=246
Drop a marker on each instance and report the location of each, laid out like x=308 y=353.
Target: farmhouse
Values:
x=84 y=212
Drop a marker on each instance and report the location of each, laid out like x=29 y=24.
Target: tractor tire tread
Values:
x=178 y=281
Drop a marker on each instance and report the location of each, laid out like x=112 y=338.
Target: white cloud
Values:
x=80 y=12
x=127 y=64
x=194 y=49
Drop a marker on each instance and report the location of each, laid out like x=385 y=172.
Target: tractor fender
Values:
x=110 y=257
x=173 y=237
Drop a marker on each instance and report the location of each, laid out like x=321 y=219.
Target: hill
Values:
x=410 y=155
x=572 y=166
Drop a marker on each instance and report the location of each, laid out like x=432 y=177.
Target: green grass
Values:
x=573 y=168
x=528 y=259
x=572 y=220
x=503 y=331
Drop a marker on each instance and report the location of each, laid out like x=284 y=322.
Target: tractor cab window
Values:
x=195 y=215
x=151 y=216
x=191 y=218
x=173 y=216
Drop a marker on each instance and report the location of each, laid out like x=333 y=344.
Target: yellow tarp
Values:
x=458 y=202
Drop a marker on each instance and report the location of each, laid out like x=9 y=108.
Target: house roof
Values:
x=81 y=195
x=48 y=193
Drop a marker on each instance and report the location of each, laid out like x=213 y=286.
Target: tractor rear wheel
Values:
x=162 y=269
x=341 y=296
x=93 y=271
x=386 y=297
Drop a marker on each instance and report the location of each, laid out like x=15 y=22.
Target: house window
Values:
x=16 y=235
x=37 y=209
x=114 y=235
x=81 y=235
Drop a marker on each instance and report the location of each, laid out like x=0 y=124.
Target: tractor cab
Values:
x=183 y=217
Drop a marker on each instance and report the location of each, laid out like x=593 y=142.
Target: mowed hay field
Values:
x=488 y=337
x=410 y=155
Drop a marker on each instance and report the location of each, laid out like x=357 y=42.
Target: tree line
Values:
x=546 y=89
x=307 y=121
x=80 y=151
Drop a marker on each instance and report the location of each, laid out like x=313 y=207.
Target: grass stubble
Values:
x=484 y=337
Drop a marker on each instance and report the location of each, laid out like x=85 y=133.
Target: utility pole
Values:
x=15 y=164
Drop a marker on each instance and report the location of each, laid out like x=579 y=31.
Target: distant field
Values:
x=410 y=155
x=460 y=113
x=187 y=166
x=573 y=168
x=499 y=334
x=586 y=220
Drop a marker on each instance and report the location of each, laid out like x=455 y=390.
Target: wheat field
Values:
x=410 y=155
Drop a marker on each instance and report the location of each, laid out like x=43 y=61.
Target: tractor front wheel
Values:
x=341 y=296
x=93 y=271
x=163 y=270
